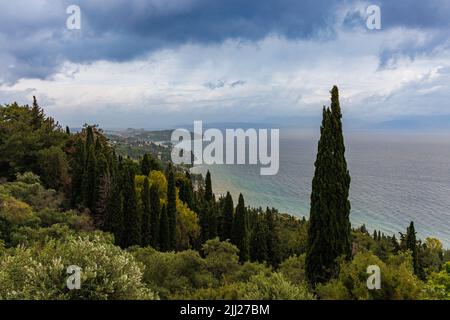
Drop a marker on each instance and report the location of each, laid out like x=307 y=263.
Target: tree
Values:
x=172 y=208
x=146 y=214
x=90 y=178
x=258 y=244
x=164 y=238
x=411 y=244
x=155 y=211
x=329 y=226
x=186 y=190
x=146 y=165
x=132 y=222
x=114 y=220
x=273 y=250
x=228 y=209
x=240 y=232
x=209 y=196
x=37 y=115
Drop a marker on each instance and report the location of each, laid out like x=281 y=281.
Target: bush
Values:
x=168 y=272
x=397 y=279
x=107 y=272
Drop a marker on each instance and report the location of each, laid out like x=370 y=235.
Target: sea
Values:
x=396 y=178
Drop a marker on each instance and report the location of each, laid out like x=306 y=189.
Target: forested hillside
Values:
x=144 y=229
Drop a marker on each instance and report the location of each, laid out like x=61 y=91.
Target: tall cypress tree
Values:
x=228 y=209
x=240 y=232
x=146 y=165
x=329 y=227
x=90 y=178
x=164 y=238
x=171 y=208
x=37 y=115
x=114 y=221
x=209 y=196
x=186 y=190
x=78 y=167
x=103 y=187
x=155 y=211
x=130 y=209
x=273 y=251
x=146 y=228
x=411 y=244
x=258 y=244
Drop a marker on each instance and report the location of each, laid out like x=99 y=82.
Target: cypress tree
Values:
x=164 y=238
x=103 y=187
x=114 y=221
x=258 y=244
x=37 y=115
x=67 y=130
x=411 y=244
x=155 y=211
x=146 y=165
x=273 y=251
x=171 y=207
x=240 y=232
x=228 y=209
x=209 y=196
x=395 y=244
x=146 y=214
x=186 y=190
x=89 y=137
x=329 y=232
x=78 y=168
x=130 y=209
x=90 y=179
x=211 y=220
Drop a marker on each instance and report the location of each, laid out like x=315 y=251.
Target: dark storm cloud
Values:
x=34 y=40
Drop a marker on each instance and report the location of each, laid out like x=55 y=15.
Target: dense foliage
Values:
x=145 y=229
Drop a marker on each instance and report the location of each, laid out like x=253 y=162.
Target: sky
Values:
x=163 y=63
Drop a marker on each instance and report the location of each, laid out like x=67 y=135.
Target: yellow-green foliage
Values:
x=397 y=279
x=438 y=286
x=107 y=272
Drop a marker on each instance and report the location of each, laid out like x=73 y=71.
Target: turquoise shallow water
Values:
x=396 y=178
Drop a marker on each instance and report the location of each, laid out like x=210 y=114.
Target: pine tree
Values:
x=209 y=196
x=130 y=209
x=155 y=210
x=146 y=214
x=228 y=209
x=164 y=238
x=329 y=233
x=171 y=208
x=240 y=232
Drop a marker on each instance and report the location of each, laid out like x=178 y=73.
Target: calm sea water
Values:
x=396 y=178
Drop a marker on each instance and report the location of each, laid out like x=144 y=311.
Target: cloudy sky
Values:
x=159 y=63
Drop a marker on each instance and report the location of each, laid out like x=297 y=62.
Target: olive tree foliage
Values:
x=107 y=272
